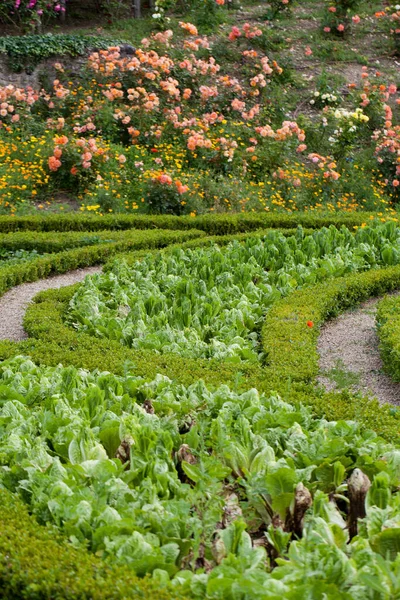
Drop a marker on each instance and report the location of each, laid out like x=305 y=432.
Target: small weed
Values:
x=342 y=377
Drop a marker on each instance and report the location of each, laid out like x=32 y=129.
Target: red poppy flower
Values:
x=154 y=150
x=310 y=324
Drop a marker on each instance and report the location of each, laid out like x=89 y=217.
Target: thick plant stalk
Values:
x=302 y=502
x=63 y=12
x=358 y=486
x=124 y=451
x=295 y=516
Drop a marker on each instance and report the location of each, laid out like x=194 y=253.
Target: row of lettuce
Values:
x=200 y=483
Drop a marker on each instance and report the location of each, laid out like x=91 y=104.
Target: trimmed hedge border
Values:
x=36 y=563
x=291 y=346
x=54 y=241
x=388 y=325
x=212 y=224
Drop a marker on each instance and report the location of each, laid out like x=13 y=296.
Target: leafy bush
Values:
x=165 y=196
x=338 y=15
x=29 y=50
x=30 y=14
x=388 y=323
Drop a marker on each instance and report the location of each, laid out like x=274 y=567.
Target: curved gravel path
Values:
x=349 y=345
x=14 y=303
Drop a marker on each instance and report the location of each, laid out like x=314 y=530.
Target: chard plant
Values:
x=219 y=494
x=211 y=302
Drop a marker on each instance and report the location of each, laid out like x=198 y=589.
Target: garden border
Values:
x=213 y=224
x=37 y=563
x=388 y=326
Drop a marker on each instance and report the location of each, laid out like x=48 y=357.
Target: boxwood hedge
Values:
x=211 y=224
x=36 y=563
x=388 y=323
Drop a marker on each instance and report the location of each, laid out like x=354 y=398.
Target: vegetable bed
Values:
x=211 y=302
x=229 y=495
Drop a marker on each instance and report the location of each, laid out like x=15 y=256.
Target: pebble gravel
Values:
x=14 y=303
x=350 y=342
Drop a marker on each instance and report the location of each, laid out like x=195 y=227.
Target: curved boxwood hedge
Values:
x=388 y=322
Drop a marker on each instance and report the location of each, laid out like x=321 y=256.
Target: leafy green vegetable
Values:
x=211 y=302
x=200 y=487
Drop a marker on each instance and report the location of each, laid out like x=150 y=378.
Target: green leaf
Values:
x=387 y=543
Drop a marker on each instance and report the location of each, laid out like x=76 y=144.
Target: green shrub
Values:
x=36 y=563
x=211 y=224
x=388 y=324
x=25 y=52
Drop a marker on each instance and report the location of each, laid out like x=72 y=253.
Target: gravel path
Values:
x=349 y=353
x=13 y=303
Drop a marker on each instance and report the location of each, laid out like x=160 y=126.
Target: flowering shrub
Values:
x=347 y=128
x=374 y=96
x=226 y=141
x=142 y=101
x=324 y=99
x=388 y=155
x=279 y=6
x=391 y=16
x=339 y=15
x=164 y=195
x=23 y=13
